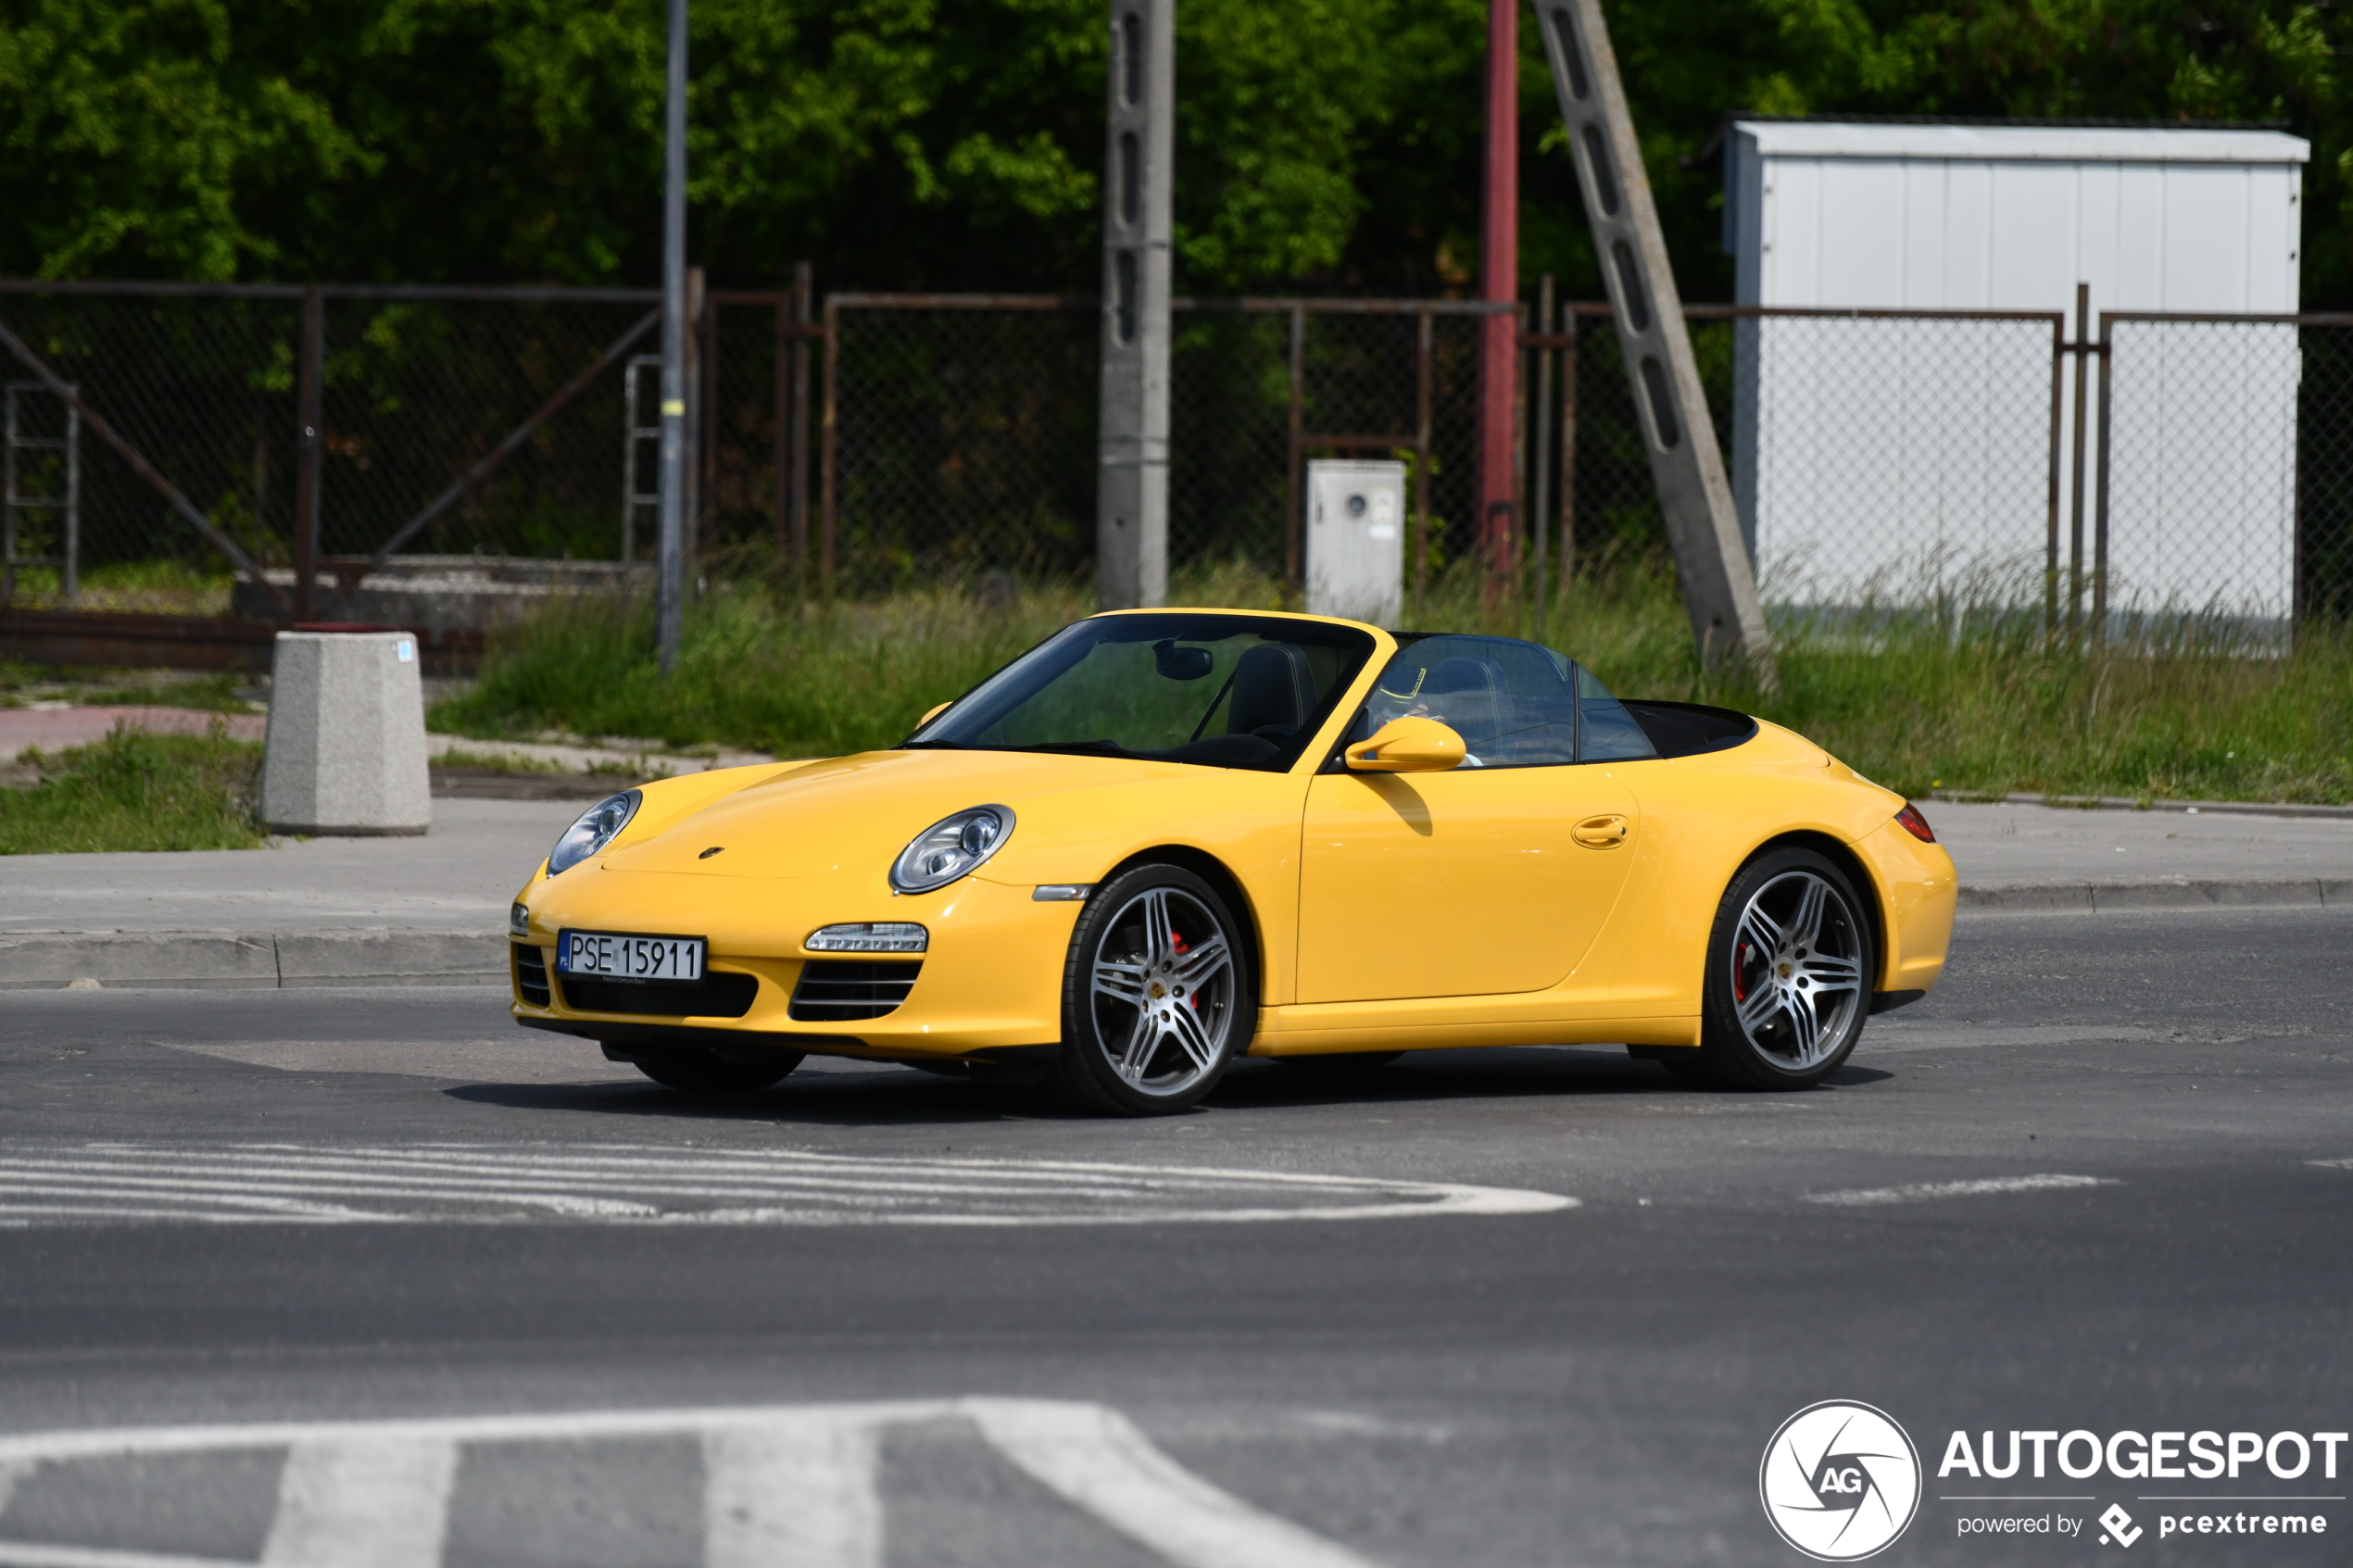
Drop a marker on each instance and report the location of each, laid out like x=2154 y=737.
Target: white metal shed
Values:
x=1888 y=459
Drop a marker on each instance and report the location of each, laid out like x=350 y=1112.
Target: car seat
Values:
x=1274 y=693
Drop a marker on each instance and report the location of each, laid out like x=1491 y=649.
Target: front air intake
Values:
x=531 y=974
x=836 y=990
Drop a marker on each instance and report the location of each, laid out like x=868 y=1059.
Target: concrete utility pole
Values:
x=1131 y=504
x=671 y=552
x=1499 y=285
x=1711 y=560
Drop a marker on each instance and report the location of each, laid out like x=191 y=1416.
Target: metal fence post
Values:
x=309 y=449
x=690 y=526
x=1425 y=354
x=2099 y=531
x=1540 y=508
x=1292 y=501
x=1567 y=567
x=792 y=434
x=2082 y=388
x=829 y=440
x=2058 y=401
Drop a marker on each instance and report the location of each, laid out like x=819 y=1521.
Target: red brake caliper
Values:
x=1178 y=945
x=1740 y=968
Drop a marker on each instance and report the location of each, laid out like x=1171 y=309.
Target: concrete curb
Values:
x=2123 y=803
x=384 y=956
x=220 y=960
x=2164 y=892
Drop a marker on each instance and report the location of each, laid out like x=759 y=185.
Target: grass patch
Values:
x=1924 y=701
x=135 y=790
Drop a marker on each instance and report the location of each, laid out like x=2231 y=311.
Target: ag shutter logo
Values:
x=1840 y=1481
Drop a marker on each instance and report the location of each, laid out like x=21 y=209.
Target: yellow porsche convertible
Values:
x=1162 y=839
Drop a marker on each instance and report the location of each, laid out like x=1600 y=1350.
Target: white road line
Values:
x=2331 y=1164
x=447 y=1183
x=1096 y=1459
x=1928 y=1191
x=796 y=1492
x=784 y=1486
x=28 y=1554
x=365 y=1502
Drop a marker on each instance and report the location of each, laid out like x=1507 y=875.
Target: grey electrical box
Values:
x=1357 y=540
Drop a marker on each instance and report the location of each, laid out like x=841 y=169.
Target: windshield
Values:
x=1228 y=691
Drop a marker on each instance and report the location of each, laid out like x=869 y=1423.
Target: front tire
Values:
x=709 y=1072
x=1789 y=971
x=1159 y=995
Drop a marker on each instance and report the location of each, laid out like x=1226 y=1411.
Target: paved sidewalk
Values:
x=53 y=727
x=2046 y=857
x=323 y=911
x=431 y=910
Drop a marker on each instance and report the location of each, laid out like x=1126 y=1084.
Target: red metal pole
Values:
x=1499 y=283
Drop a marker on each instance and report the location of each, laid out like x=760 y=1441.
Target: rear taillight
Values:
x=1916 y=824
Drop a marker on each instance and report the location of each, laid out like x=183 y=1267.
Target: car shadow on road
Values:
x=846 y=1095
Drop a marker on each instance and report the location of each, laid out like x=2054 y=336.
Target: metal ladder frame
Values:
x=633 y=435
x=11 y=503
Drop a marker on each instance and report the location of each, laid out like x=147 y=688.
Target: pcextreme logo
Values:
x=1840 y=1481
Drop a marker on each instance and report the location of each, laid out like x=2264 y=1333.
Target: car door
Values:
x=1492 y=877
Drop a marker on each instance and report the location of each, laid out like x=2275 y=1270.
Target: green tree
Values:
x=956 y=143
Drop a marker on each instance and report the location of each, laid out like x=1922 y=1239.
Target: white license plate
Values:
x=613 y=955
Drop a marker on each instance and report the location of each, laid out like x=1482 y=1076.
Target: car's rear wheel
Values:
x=714 y=1073
x=1789 y=968
x=1159 y=994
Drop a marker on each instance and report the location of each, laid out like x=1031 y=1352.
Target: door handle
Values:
x=1601 y=832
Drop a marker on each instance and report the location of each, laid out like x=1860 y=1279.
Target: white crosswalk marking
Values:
x=362 y=1503
x=293 y=1184
x=797 y=1492
x=1096 y=1459
x=784 y=1486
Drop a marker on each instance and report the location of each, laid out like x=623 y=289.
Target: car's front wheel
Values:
x=717 y=1072
x=1158 y=995
x=1789 y=970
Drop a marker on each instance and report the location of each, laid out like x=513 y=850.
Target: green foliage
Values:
x=134 y=790
x=957 y=143
x=1919 y=704
x=749 y=674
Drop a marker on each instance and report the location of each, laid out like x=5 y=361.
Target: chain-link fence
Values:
x=2206 y=478
x=2224 y=507
x=1899 y=458
x=423 y=421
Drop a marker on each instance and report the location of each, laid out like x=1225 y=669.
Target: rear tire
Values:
x=1790 y=966
x=1159 y=995
x=708 y=1072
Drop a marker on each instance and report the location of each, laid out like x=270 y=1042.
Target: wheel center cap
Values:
x=1158 y=991
x=1788 y=969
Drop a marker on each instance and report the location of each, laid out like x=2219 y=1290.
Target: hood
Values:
x=861 y=812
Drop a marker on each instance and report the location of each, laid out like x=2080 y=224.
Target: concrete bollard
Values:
x=345 y=749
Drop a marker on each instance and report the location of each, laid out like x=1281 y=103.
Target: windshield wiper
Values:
x=933 y=746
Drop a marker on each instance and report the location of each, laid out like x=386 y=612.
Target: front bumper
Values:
x=991 y=978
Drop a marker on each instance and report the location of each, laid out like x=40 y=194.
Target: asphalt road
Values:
x=2101 y=1181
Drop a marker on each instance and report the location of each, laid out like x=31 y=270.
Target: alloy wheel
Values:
x=1797 y=969
x=1163 y=989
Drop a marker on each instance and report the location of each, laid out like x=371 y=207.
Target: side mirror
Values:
x=934 y=713
x=1407 y=745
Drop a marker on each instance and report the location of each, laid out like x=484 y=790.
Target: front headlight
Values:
x=950 y=849
x=597 y=827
